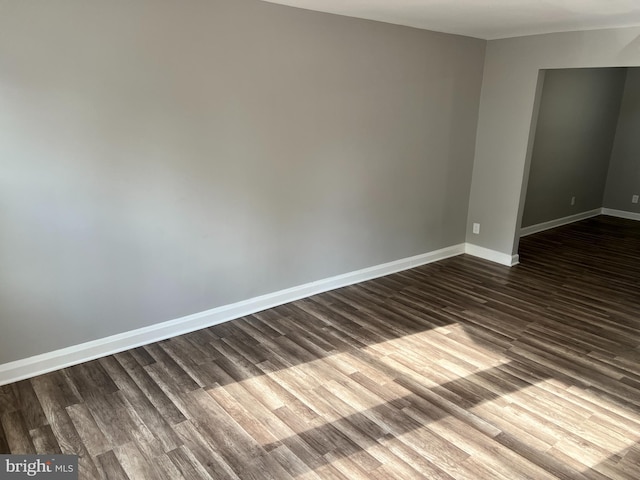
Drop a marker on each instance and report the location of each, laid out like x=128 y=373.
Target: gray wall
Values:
x=507 y=106
x=623 y=180
x=573 y=140
x=160 y=159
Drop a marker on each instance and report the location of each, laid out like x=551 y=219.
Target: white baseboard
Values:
x=621 y=214
x=66 y=357
x=491 y=255
x=541 y=227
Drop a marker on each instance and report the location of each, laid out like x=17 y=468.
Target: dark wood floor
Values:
x=460 y=369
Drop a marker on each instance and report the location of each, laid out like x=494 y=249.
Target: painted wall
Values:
x=623 y=180
x=572 y=144
x=508 y=98
x=159 y=160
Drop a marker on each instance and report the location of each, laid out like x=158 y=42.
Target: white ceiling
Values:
x=488 y=19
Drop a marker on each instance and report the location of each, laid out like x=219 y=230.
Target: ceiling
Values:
x=488 y=19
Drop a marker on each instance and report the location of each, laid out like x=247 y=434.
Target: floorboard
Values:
x=461 y=369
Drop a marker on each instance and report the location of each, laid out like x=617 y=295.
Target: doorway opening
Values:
x=584 y=150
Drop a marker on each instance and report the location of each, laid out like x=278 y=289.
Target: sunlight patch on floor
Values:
x=573 y=425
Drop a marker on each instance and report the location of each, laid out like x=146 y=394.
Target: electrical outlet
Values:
x=573 y=200
x=634 y=199
x=476 y=228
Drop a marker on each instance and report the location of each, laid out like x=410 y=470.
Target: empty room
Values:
x=247 y=239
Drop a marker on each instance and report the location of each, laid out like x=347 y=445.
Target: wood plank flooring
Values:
x=460 y=369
